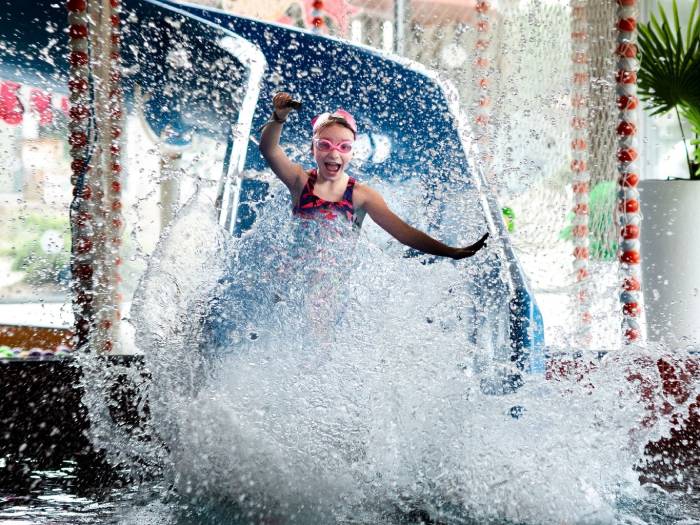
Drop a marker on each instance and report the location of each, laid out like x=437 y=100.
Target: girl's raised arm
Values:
x=380 y=213
x=287 y=171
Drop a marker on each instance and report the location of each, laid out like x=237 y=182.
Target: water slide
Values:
x=194 y=72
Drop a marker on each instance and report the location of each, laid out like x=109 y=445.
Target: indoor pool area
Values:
x=349 y=262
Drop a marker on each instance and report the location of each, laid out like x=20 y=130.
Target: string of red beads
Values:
x=82 y=211
x=628 y=195
x=579 y=169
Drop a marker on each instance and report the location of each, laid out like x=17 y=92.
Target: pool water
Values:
x=303 y=374
x=56 y=500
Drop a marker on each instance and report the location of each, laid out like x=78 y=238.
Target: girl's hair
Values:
x=333 y=119
x=339 y=116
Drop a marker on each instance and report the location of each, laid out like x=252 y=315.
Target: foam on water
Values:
x=301 y=374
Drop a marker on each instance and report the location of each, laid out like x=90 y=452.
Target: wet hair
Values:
x=333 y=119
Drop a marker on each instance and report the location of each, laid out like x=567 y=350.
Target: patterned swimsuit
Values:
x=311 y=206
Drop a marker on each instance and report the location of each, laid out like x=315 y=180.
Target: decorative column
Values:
x=115 y=222
x=82 y=210
x=95 y=129
x=628 y=196
x=579 y=169
x=317 y=16
x=483 y=102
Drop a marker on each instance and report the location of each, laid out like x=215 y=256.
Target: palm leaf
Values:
x=692 y=115
x=692 y=28
x=669 y=72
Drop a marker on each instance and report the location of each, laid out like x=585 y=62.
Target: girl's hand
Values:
x=468 y=251
x=281 y=105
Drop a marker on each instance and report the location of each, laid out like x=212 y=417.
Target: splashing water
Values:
x=301 y=374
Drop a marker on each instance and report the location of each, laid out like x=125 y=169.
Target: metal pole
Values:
x=399 y=22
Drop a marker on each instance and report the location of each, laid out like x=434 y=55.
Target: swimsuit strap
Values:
x=311 y=180
x=308 y=201
x=307 y=193
x=347 y=195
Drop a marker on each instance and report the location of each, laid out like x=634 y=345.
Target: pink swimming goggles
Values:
x=319 y=120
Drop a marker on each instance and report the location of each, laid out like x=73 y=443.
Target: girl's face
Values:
x=332 y=161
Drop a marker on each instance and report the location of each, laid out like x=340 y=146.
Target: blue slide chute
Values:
x=191 y=70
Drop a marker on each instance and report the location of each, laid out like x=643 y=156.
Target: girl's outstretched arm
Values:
x=288 y=172
x=380 y=213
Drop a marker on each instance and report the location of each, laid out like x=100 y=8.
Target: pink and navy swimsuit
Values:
x=311 y=206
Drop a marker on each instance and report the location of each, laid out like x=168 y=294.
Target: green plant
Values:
x=44 y=260
x=603 y=245
x=669 y=74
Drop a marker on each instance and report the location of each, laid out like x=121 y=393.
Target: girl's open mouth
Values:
x=332 y=167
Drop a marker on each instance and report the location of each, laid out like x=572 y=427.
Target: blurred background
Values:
x=528 y=68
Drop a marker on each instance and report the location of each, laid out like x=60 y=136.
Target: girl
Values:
x=328 y=192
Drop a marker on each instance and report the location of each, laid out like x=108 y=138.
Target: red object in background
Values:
x=578 y=165
x=631 y=335
x=86 y=193
x=677 y=453
x=77 y=139
x=11 y=109
x=626 y=49
x=627 y=25
x=76 y=6
x=84 y=272
x=629 y=206
x=581 y=252
x=79 y=112
x=78 y=165
x=482 y=7
x=78 y=31
x=631 y=284
x=629 y=180
x=626 y=77
x=578 y=144
x=631 y=309
x=78 y=84
x=339 y=12
x=580 y=230
x=581 y=208
x=630 y=257
x=580 y=187
x=626 y=128
x=666 y=389
x=83 y=218
x=482 y=26
x=41 y=103
x=627 y=102
x=84 y=245
x=630 y=231
x=626 y=154
x=78 y=59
